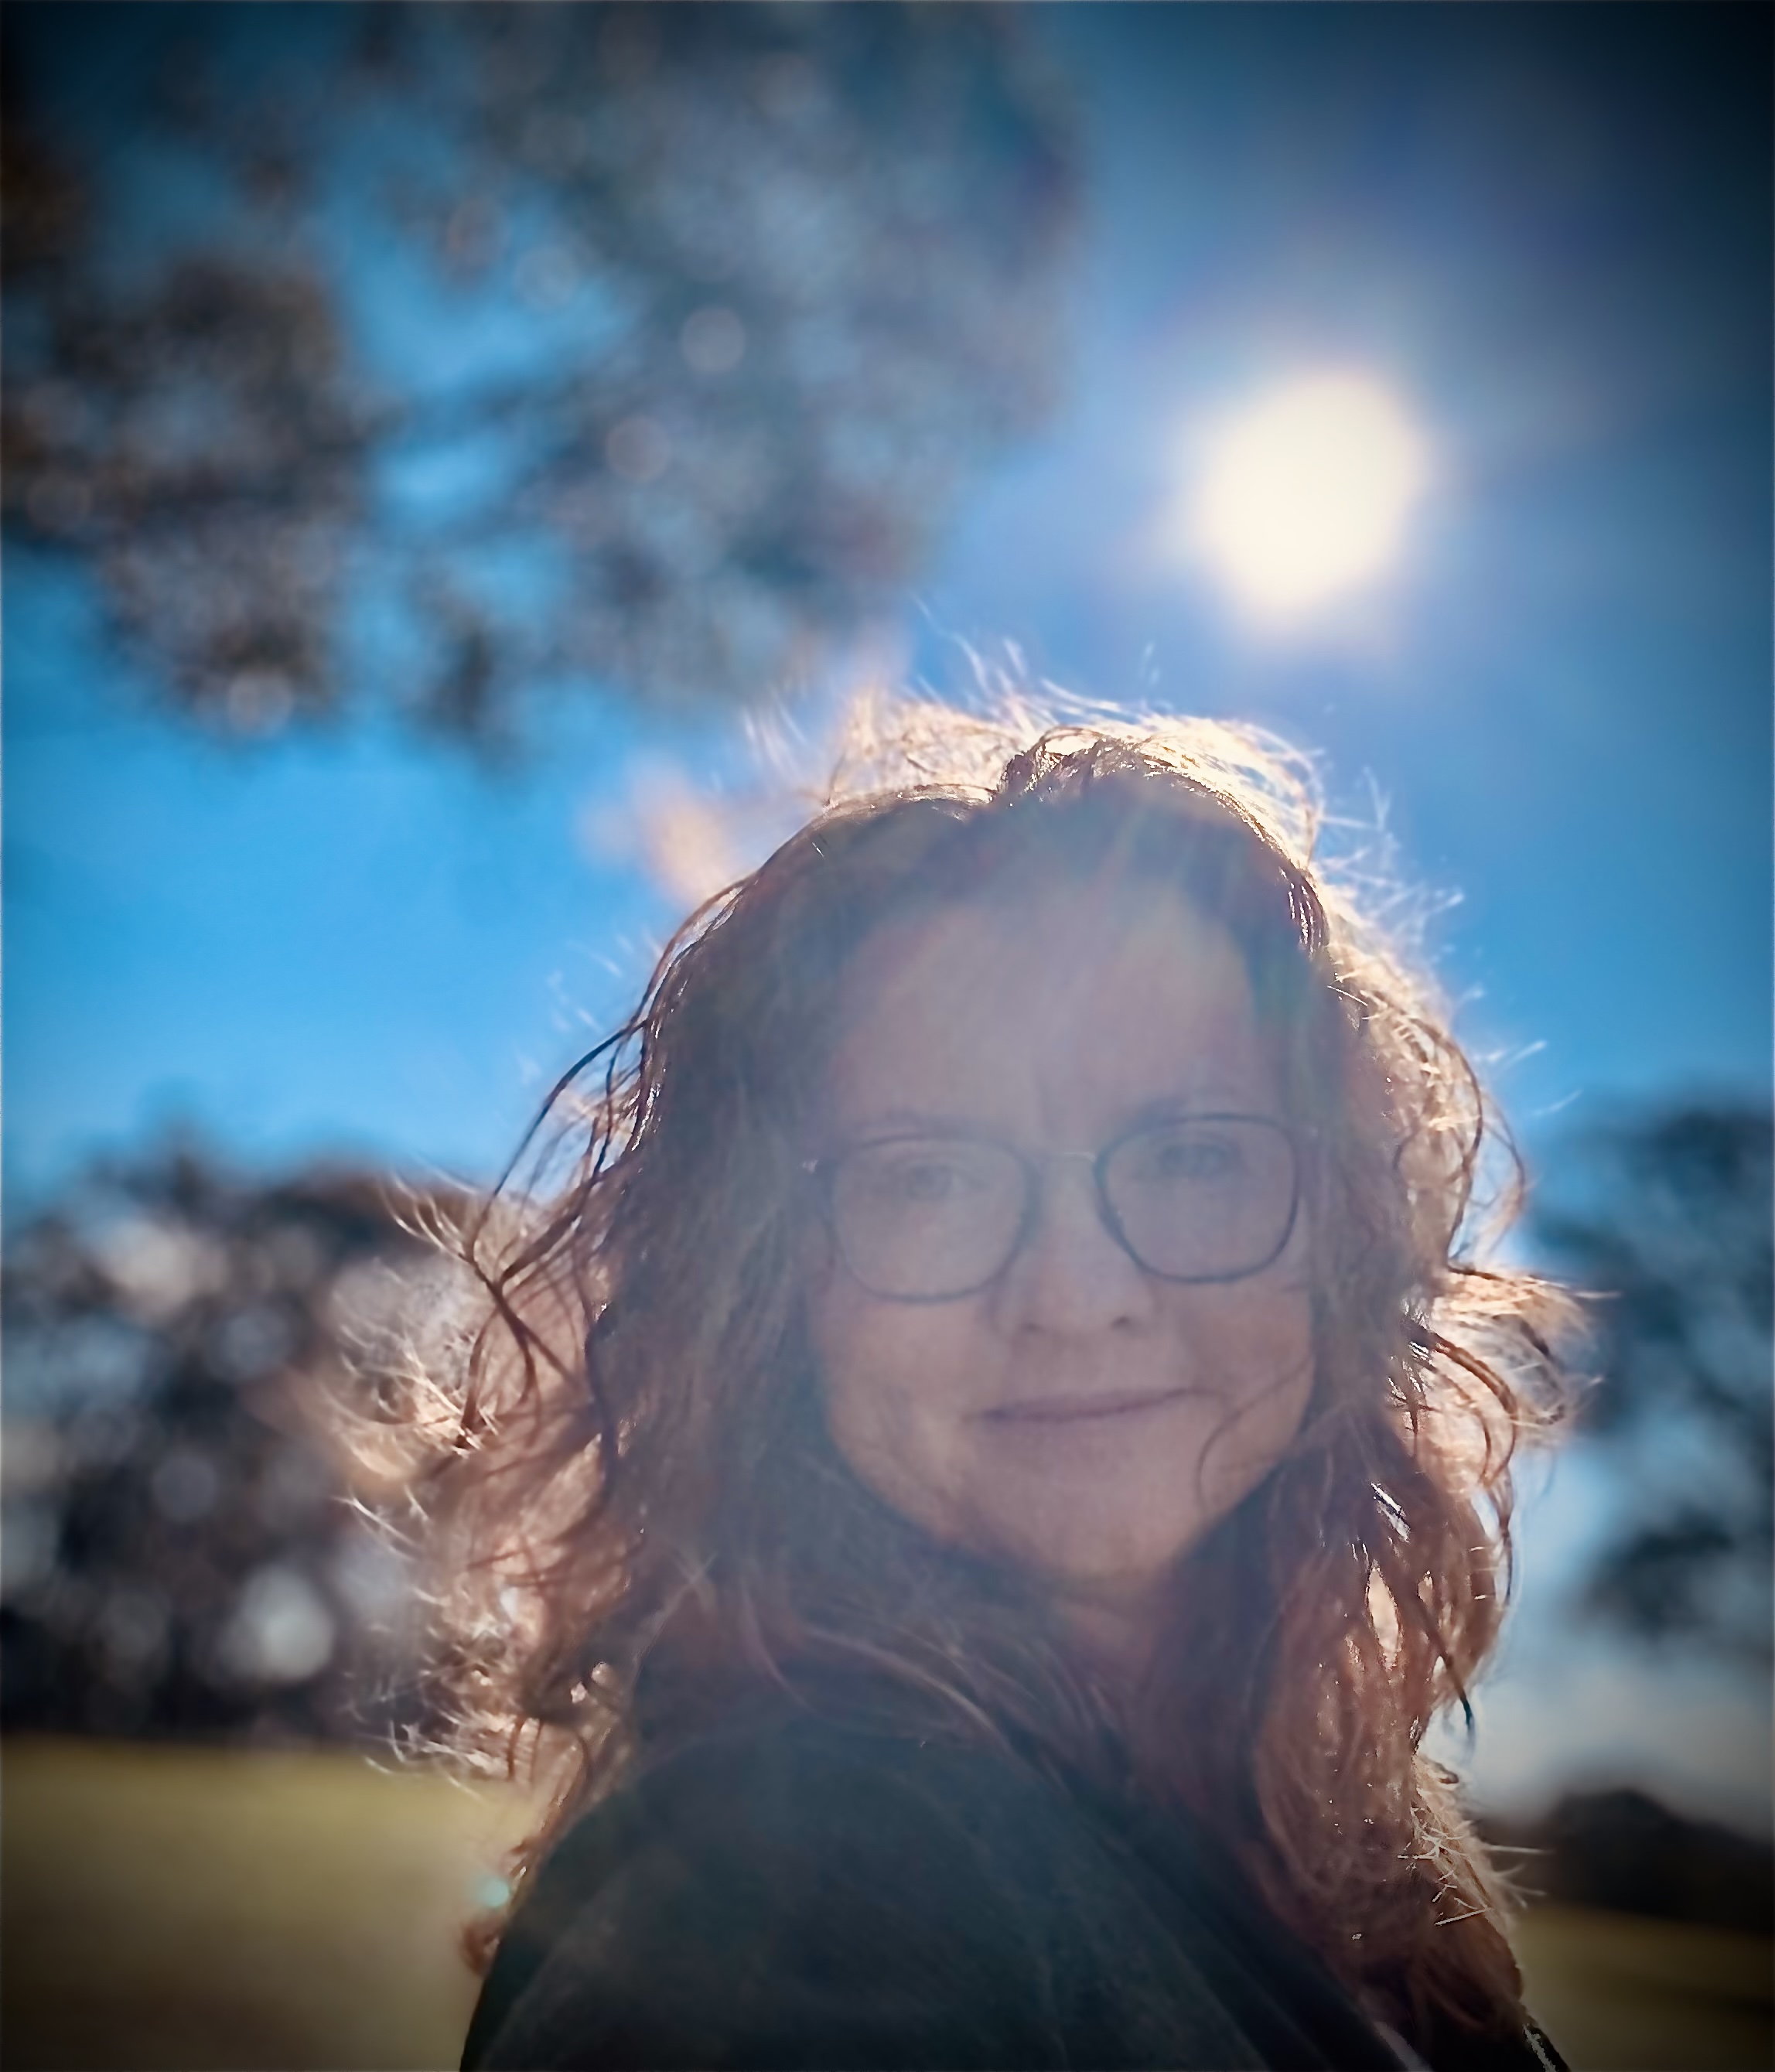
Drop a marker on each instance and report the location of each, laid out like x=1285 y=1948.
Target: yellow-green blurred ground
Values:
x=177 y=1908
x=169 y=1907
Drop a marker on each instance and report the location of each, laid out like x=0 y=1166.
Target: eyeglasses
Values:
x=930 y=1219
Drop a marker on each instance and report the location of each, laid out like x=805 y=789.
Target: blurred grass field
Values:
x=179 y=1908
x=183 y=1908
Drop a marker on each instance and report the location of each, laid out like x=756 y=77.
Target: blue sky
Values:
x=1547 y=229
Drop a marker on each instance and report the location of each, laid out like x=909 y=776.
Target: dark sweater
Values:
x=796 y=1892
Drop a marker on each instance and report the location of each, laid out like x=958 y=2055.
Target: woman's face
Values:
x=1079 y=1415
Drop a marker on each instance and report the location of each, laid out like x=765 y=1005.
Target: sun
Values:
x=1305 y=495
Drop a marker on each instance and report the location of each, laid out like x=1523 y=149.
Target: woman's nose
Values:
x=1071 y=1274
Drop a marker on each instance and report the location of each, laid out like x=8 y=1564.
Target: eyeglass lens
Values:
x=1198 y=1198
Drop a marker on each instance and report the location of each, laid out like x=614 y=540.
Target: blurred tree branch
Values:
x=1666 y=1216
x=188 y=1551
x=710 y=313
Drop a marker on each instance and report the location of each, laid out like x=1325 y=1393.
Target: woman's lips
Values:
x=1047 y=1410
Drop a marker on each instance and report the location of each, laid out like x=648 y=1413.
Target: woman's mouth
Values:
x=1046 y=1410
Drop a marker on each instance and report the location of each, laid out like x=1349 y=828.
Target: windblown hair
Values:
x=639 y=1513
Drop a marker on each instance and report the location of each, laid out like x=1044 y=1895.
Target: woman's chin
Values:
x=1111 y=1561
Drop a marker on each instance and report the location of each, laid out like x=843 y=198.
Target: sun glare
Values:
x=1305 y=494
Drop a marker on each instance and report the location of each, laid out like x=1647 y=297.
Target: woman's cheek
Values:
x=893 y=1397
x=1264 y=1354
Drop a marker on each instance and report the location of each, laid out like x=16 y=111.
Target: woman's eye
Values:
x=907 y=1179
x=929 y=1181
x=1185 y=1158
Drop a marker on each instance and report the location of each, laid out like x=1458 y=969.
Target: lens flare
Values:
x=1306 y=494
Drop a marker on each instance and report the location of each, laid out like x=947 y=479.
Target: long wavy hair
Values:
x=639 y=1515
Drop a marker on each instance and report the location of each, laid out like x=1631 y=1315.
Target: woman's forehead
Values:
x=1083 y=997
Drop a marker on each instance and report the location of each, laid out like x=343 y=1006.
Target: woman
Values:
x=990 y=1464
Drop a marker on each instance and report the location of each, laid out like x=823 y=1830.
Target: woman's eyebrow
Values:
x=924 y=1122
x=1210 y=1097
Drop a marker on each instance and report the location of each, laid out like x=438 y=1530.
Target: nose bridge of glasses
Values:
x=1036 y=1163
x=1088 y=1195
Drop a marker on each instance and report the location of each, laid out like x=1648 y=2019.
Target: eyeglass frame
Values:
x=821 y=1169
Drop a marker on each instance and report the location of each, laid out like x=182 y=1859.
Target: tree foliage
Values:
x=516 y=347
x=189 y=1550
x=1666 y=1216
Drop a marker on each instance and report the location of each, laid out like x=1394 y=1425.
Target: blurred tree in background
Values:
x=470 y=353
x=1667 y=1217
x=188 y=1547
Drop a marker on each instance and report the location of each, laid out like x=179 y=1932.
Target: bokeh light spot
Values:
x=638 y=448
x=713 y=341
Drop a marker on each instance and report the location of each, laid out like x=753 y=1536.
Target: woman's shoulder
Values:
x=799 y=1889
x=803 y=1887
